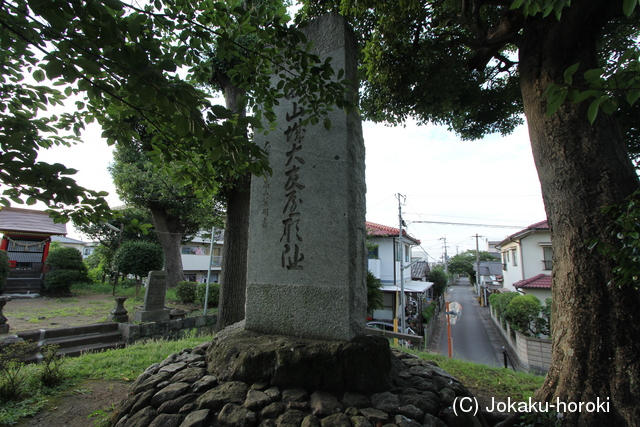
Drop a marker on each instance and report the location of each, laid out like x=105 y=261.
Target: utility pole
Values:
x=446 y=258
x=477 y=264
x=206 y=293
x=401 y=198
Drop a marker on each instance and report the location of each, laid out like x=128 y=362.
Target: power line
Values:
x=468 y=224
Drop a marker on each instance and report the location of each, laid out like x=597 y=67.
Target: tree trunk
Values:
x=233 y=283
x=170 y=238
x=582 y=168
x=233 y=280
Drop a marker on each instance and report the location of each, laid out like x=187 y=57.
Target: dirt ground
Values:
x=25 y=314
x=87 y=404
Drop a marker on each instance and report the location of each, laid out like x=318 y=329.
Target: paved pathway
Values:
x=475 y=337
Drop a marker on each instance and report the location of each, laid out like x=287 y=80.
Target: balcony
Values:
x=199 y=262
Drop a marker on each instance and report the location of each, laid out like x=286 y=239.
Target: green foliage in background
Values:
x=214 y=294
x=186 y=292
x=374 y=293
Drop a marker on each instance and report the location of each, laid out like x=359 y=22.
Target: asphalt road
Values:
x=471 y=341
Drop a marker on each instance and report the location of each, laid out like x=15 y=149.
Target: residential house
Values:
x=527 y=255
x=196 y=255
x=26 y=238
x=68 y=242
x=384 y=263
x=539 y=285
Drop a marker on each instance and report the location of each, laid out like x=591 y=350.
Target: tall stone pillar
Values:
x=307 y=257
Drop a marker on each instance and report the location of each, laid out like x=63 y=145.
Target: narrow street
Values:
x=474 y=336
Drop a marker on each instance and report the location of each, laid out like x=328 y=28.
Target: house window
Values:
x=547 y=253
x=407 y=252
x=505 y=260
x=514 y=258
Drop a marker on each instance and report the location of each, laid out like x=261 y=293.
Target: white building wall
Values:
x=529 y=252
x=511 y=273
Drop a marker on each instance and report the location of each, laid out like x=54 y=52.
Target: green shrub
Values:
x=186 y=291
x=439 y=278
x=374 y=293
x=522 y=312
x=214 y=294
x=500 y=302
x=51 y=374
x=63 y=258
x=58 y=282
x=67 y=268
x=4 y=268
x=12 y=378
x=427 y=313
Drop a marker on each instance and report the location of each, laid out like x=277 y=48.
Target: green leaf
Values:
x=569 y=72
x=38 y=75
x=592 y=113
x=632 y=97
x=53 y=68
x=516 y=4
x=628 y=6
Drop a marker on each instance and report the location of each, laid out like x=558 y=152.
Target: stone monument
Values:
x=153 y=309
x=306 y=279
x=307 y=259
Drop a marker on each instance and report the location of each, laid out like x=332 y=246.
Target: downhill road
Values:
x=471 y=341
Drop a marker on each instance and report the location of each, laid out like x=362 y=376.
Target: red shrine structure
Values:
x=26 y=238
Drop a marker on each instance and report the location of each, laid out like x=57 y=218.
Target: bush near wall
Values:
x=186 y=292
x=214 y=294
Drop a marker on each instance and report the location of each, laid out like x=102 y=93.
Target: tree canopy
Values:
x=113 y=61
x=573 y=69
x=464 y=263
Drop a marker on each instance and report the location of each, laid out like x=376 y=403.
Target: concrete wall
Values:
x=533 y=354
x=170 y=329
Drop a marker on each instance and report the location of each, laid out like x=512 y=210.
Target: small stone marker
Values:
x=307 y=260
x=154 y=299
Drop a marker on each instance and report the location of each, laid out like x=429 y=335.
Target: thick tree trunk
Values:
x=582 y=168
x=170 y=238
x=233 y=283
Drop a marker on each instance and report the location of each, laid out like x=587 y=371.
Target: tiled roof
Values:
x=541 y=281
x=489 y=268
x=15 y=220
x=538 y=226
x=419 y=270
x=380 y=230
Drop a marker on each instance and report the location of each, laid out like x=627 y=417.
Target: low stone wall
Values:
x=169 y=329
x=534 y=354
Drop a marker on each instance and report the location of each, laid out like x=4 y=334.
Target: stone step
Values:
x=75 y=340
x=17 y=274
x=84 y=340
x=37 y=335
x=78 y=350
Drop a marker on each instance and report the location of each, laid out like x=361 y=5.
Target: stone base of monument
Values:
x=242 y=379
x=363 y=364
x=152 y=315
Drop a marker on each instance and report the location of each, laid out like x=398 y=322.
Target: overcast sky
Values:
x=444 y=179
